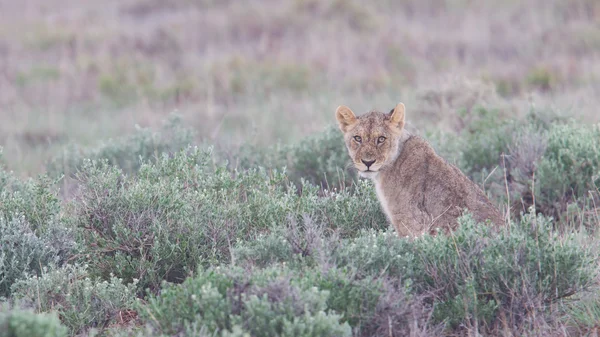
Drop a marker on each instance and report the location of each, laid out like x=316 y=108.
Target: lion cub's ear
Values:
x=345 y=117
x=397 y=117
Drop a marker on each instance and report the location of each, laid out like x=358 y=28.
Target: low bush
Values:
x=178 y=213
x=484 y=280
x=486 y=136
x=34 y=199
x=268 y=246
x=584 y=314
x=23 y=323
x=127 y=153
x=478 y=278
x=23 y=252
x=81 y=301
x=570 y=167
x=540 y=158
x=235 y=303
x=151 y=227
x=321 y=159
x=32 y=234
x=373 y=305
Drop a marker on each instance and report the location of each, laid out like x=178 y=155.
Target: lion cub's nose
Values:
x=368 y=163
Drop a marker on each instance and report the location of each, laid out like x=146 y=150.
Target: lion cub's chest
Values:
x=385 y=202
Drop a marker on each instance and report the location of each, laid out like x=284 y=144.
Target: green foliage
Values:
x=485 y=276
x=259 y=78
x=570 y=167
x=367 y=301
x=542 y=78
x=478 y=275
x=321 y=159
x=557 y=161
x=37 y=74
x=584 y=313
x=20 y=323
x=81 y=301
x=485 y=135
x=152 y=227
x=347 y=210
x=178 y=213
x=128 y=152
x=236 y=302
x=31 y=233
x=23 y=252
x=484 y=140
x=372 y=305
x=318 y=255
x=34 y=199
x=539 y=158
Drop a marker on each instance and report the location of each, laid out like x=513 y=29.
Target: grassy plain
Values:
x=172 y=168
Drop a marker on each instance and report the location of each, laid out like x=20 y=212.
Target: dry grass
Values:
x=275 y=70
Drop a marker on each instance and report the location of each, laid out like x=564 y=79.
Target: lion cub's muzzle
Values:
x=367 y=166
x=367 y=163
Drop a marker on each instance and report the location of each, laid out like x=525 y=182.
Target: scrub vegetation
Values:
x=173 y=168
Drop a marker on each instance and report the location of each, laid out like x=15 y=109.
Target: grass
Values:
x=235 y=73
x=157 y=239
x=238 y=214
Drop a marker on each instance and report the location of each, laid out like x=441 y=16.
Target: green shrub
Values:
x=570 y=167
x=34 y=199
x=20 y=323
x=366 y=303
x=481 y=278
x=356 y=299
x=505 y=155
x=23 y=252
x=562 y=158
x=174 y=215
x=321 y=159
x=542 y=78
x=484 y=139
x=82 y=302
x=585 y=313
x=236 y=302
x=546 y=160
x=128 y=152
x=347 y=210
x=477 y=277
x=373 y=305
x=177 y=213
x=313 y=251
x=31 y=232
x=275 y=247
x=485 y=136
x=152 y=227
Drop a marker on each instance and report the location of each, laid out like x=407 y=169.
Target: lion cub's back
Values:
x=429 y=189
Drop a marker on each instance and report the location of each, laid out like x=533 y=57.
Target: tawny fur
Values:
x=418 y=190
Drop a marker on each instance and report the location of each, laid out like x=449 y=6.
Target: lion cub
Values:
x=418 y=190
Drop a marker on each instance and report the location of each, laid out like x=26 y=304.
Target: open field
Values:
x=193 y=142
x=267 y=71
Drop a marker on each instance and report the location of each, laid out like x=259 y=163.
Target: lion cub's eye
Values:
x=358 y=139
x=380 y=140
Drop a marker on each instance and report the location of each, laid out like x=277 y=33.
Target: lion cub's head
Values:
x=372 y=139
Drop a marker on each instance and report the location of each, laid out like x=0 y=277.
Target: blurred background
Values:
x=264 y=72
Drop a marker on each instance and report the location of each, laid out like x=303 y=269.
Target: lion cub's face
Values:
x=373 y=138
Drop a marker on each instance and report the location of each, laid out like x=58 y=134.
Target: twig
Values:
x=507 y=190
